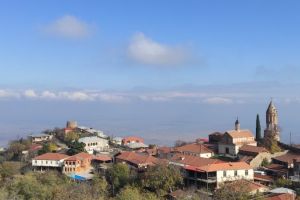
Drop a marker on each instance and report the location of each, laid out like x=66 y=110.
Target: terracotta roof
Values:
x=265 y=178
x=35 y=147
x=102 y=158
x=193 y=148
x=132 y=138
x=287 y=158
x=240 y=133
x=137 y=158
x=164 y=149
x=251 y=185
x=80 y=156
x=285 y=196
x=246 y=159
x=193 y=160
x=222 y=166
x=252 y=149
x=51 y=156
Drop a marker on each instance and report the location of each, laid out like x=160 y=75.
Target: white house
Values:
x=195 y=149
x=40 y=137
x=94 y=143
x=212 y=175
x=48 y=161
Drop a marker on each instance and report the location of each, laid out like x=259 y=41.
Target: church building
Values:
x=272 y=129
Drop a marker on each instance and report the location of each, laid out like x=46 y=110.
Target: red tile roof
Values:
x=103 y=158
x=137 y=158
x=193 y=160
x=193 y=148
x=222 y=167
x=164 y=149
x=265 y=178
x=132 y=139
x=80 y=156
x=287 y=158
x=253 y=149
x=51 y=156
x=240 y=133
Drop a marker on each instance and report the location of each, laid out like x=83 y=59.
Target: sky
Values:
x=164 y=70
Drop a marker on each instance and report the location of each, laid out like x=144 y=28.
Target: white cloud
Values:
x=146 y=51
x=30 y=94
x=69 y=27
x=8 y=94
x=217 y=100
x=76 y=96
x=49 y=95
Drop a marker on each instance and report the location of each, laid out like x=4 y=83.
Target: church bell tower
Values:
x=272 y=129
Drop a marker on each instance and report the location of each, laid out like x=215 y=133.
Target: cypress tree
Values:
x=258 y=129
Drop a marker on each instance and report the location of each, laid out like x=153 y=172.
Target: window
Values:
x=246 y=172
x=35 y=161
x=224 y=173
x=235 y=173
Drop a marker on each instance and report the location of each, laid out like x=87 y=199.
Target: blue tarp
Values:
x=78 y=178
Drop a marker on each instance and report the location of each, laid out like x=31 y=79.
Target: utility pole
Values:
x=290 y=138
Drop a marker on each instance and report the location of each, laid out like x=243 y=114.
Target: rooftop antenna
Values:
x=290 y=138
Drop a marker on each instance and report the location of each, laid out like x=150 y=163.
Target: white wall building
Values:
x=94 y=143
x=48 y=160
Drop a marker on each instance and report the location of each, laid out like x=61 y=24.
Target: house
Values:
x=286 y=160
x=189 y=160
x=195 y=149
x=136 y=145
x=135 y=160
x=132 y=139
x=251 y=187
x=233 y=140
x=78 y=163
x=263 y=179
x=253 y=155
x=117 y=140
x=211 y=176
x=91 y=131
x=164 y=152
x=94 y=144
x=48 y=161
x=276 y=170
x=40 y=137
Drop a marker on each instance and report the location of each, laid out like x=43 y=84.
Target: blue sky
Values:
x=183 y=53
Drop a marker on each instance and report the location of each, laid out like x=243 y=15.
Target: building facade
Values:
x=94 y=143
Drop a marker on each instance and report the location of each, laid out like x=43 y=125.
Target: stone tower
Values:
x=272 y=129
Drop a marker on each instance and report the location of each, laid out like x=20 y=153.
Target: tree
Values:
x=258 y=129
x=119 y=176
x=48 y=147
x=129 y=193
x=99 y=188
x=236 y=190
x=179 y=143
x=162 y=179
x=9 y=169
x=75 y=148
x=71 y=137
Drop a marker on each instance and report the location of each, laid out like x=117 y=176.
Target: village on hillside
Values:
x=258 y=164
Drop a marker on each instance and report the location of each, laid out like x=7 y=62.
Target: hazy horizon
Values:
x=164 y=70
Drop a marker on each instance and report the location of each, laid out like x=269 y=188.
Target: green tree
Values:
x=48 y=147
x=76 y=147
x=119 y=176
x=71 y=137
x=236 y=190
x=258 y=129
x=162 y=179
x=9 y=169
x=129 y=193
x=99 y=188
